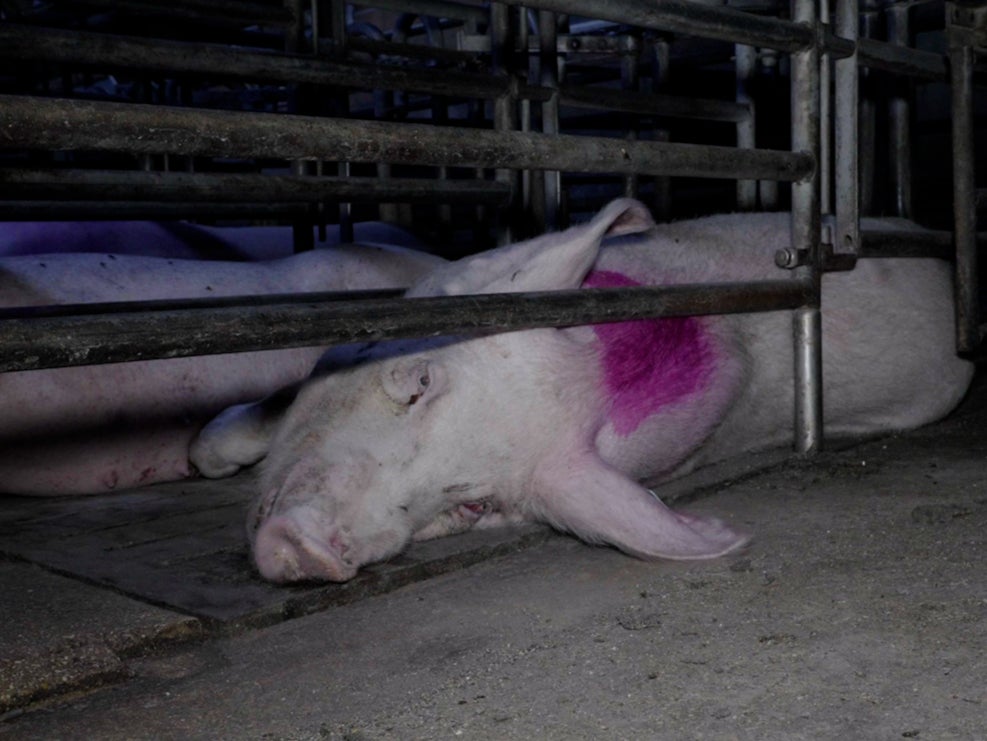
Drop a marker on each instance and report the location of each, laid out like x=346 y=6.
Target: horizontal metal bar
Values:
x=432 y=8
x=901 y=60
x=172 y=57
x=654 y=105
x=57 y=124
x=103 y=210
x=227 y=12
x=175 y=57
x=32 y=342
x=687 y=17
x=880 y=244
x=233 y=188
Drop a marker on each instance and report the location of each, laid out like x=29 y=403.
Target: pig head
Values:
x=416 y=439
x=408 y=440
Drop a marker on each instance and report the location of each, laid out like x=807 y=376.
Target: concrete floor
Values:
x=859 y=612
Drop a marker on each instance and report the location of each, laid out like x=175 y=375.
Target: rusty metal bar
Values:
x=806 y=222
x=899 y=117
x=687 y=17
x=102 y=210
x=56 y=124
x=78 y=47
x=962 y=57
x=232 y=188
x=46 y=337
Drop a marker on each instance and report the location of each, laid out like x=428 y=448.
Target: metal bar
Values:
x=687 y=17
x=667 y=106
x=128 y=210
x=805 y=240
x=901 y=60
x=175 y=57
x=846 y=239
x=54 y=124
x=548 y=69
x=434 y=8
x=80 y=47
x=962 y=59
x=226 y=12
x=899 y=118
x=29 y=340
x=233 y=188
x=746 y=66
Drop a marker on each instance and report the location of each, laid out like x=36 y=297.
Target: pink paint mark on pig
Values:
x=649 y=364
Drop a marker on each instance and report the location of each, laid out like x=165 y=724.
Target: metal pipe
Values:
x=48 y=337
x=846 y=239
x=227 y=12
x=103 y=210
x=867 y=111
x=746 y=66
x=234 y=188
x=899 y=115
x=689 y=18
x=548 y=67
x=53 y=124
x=79 y=47
x=806 y=223
x=901 y=60
x=962 y=57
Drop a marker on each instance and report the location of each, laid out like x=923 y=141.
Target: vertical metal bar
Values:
x=867 y=139
x=630 y=64
x=962 y=59
x=899 y=114
x=662 y=204
x=746 y=63
x=825 y=123
x=805 y=238
x=767 y=190
x=846 y=239
x=294 y=43
x=548 y=65
x=504 y=106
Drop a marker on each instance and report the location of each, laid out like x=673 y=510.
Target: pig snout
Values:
x=284 y=552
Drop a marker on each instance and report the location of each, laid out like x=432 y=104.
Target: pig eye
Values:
x=424 y=380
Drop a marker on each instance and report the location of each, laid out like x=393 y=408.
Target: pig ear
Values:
x=602 y=505
x=407 y=380
x=551 y=262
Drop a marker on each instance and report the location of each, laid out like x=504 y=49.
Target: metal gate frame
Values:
x=48 y=337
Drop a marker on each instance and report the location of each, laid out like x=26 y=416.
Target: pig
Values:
x=178 y=239
x=408 y=440
x=95 y=429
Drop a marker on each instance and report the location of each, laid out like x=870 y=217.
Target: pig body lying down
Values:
x=408 y=440
x=93 y=429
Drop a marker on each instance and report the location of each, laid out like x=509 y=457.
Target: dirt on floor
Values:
x=859 y=611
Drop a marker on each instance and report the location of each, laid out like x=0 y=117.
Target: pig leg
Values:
x=240 y=435
x=599 y=504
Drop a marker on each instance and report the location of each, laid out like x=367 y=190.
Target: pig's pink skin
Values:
x=535 y=425
x=103 y=428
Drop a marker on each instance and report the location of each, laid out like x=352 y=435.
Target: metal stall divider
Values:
x=966 y=28
x=87 y=334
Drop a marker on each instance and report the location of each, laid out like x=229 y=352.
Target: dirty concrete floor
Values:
x=859 y=611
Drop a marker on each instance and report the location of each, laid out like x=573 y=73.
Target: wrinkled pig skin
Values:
x=406 y=440
x=100 y=428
